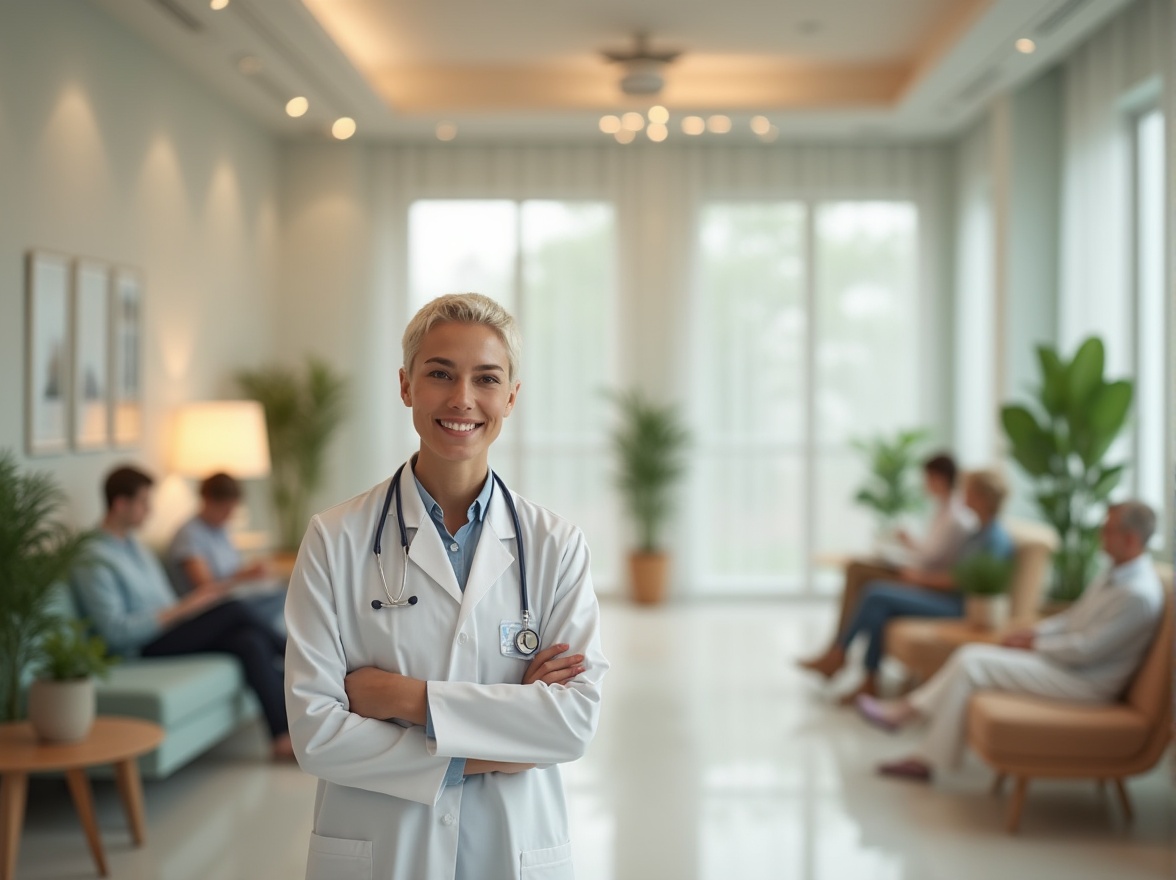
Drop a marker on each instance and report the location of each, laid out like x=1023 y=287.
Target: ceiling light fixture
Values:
x=446 y=131
x=657 y=132
x=719 y=124
x=610 y=124
x=693 y=125
x=642 y=67
x=296 y=107
x=658 y=114
x=218 y=5
x=343 y=128
x=625 y=136
x=761 y=125
x=632 y=121
x=1025 y=46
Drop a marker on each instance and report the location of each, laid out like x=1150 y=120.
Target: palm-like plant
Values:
x=302 y=413
x=1061 y=442
x=650 y=443
x=37 y=551
x=890 y=489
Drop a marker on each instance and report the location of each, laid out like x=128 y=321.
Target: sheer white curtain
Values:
x=646 y=334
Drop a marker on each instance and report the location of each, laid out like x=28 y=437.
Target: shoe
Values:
x=874 y=711
x=908 y=768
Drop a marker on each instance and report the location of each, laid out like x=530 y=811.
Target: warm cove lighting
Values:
x=1025 y=46
x=296 y=107
x=693 y=125
x=343 y=128
x=658 y=114
x=610 y=124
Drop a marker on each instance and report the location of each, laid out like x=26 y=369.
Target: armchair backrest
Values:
x=1150 y=691
x=1034 y=544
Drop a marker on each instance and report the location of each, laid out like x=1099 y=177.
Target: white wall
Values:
x=107 y=150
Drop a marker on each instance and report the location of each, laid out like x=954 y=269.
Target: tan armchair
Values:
x=923 y=645
x=1028 y=737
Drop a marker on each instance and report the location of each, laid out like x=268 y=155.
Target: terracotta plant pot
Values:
x=649 y=575
x=62 y=711
x=987 y=612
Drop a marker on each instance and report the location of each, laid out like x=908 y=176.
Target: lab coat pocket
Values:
x=553 y=863
x=332 y=858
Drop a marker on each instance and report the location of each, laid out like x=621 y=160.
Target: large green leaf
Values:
x=1054 y=391
x=1031 y=445
x=1105 y=418
x=1084 y=376
x=1105 y=482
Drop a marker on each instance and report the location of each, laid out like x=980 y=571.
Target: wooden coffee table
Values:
x=117 y=741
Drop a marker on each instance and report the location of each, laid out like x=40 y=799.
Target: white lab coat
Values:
x=381 y=810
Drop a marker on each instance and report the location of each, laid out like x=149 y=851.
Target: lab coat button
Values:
x=462 y=639
x=447 y=819
x=454 y=547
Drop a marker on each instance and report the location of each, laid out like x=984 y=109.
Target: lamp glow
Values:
x=296 y=107
x=343 y=128
x=221 y=435
x=1025 y=46
x=658 y=114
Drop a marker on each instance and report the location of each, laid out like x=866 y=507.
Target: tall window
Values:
x=552 y=264
x=806 y=337
x=1152 y=475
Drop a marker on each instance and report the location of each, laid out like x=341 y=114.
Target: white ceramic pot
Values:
x=987 y=612
x=62 y=711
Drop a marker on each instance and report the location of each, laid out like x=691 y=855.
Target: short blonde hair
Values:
x=463 y=308
x=990 y=484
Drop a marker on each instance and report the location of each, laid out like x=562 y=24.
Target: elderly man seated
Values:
x=1087 y=654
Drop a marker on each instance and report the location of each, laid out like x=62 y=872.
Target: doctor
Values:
x=434 y=721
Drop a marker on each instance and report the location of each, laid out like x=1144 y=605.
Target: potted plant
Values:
x=892 y=487
x=1061 y=441
x=984 y=581
x=303 y=409
x=649 y=442
x=62 y=701
x=37 y=551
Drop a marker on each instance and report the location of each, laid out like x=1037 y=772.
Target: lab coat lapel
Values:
x=494 y=554
x=425 y=548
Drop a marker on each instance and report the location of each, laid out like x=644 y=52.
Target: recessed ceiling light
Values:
x=625 y=136
x=761 y=125
x=218 y=5
x=658 y=114
x=1025 y=46
x=446 y=131
x=693 y=125
x=719 y=124
x=343 y=128
x=632 y=121
x=657 y=132
x=610 y=124
x=297 y=106
x=250 y=65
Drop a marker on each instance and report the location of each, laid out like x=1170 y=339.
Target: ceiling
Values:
x=532 y=69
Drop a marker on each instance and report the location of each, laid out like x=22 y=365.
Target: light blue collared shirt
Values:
x=460 y=549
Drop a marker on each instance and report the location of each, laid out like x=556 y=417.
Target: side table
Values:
x=113 y=740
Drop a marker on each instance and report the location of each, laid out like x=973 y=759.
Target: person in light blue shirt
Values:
x=920 y=593
x=127 y=598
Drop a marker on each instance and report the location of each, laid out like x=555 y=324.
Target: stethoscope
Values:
x=526 y=640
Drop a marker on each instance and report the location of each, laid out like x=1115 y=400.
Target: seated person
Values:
x=951 y=524
x=202 y=553
x=1087 y=654
x=920 y=593
x=127 y=596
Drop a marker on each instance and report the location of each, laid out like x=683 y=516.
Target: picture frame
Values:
x=91 y=355
x=126 y=357
x=48 y=348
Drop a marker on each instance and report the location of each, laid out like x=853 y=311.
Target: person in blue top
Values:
x=131 y=604
x=920 y=593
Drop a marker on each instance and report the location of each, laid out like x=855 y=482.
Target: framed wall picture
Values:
x=91 y=361
x=47 y=353
x=126 y=355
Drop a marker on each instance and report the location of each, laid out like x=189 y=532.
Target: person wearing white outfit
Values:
x=1087 y=654
x=435 y=740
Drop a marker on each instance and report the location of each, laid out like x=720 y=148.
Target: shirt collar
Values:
x=477 y=510
x=1127 y=568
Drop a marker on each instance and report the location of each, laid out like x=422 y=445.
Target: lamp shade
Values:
x=221 y=435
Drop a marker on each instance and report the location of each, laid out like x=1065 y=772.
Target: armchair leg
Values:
x=1124 y=799
x=998 y=782
x=1018 y=803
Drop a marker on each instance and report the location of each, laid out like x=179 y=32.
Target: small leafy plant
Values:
x=68 y=653
x=983 y=574
x=892 y=487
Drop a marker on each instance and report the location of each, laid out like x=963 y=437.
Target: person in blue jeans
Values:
x=920 y=593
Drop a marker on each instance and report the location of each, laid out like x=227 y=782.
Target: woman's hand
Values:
x=475 y=767
x=550 y=668
x=374 y=693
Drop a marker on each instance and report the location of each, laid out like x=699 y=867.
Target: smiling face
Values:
x=459 y=391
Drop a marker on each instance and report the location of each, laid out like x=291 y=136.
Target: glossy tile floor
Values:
x=715 y=761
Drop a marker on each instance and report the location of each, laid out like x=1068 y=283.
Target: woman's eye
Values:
x=490 y=380
x=438 y=374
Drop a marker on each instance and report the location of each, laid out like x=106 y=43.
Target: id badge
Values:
x=507 y=631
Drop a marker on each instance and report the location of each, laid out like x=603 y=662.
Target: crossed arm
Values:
x=375 y=693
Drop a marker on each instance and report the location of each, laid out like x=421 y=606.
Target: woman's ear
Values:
x=514 y=395
x=405 y=389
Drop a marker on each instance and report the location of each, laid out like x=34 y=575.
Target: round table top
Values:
x=112 y=739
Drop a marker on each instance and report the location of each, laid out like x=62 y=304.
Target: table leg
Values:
x=79 y=789
x=130 y=788
x=13 y=792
